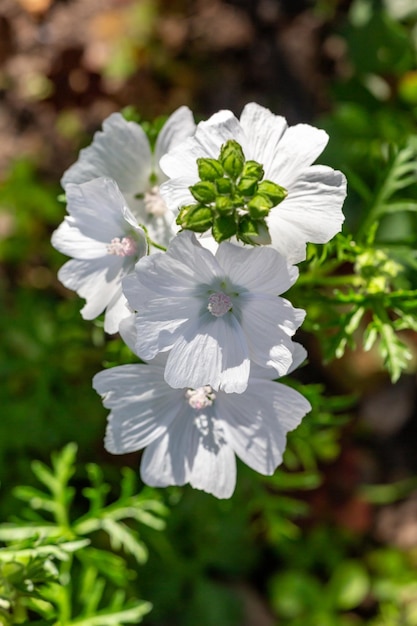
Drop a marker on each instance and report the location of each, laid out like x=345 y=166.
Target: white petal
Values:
x=175 y=192
x=185 y=267
x=186 y=454
x=298 y=149
x=176 y=129
x=311 y=212
x=120 y=151
x=127 y=330
x=116 y=311
x=258 y=269
x=69 y=240
x=214 y=465
x=258 y=420
x=160 y=324
x=209 y=351
x=210 y=135
x=97 y=280
x=268 y=324
x=142 y=405
x=265 y=131
x=96 y=209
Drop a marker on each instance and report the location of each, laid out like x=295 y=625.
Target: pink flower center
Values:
x=154 y=203
x=125 y=247
x=200 y=398
x=219 y=304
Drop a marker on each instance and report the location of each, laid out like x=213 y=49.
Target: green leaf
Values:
x=123 y=537
x=349 y=585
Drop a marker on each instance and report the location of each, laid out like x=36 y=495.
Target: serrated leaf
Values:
x=123 y=537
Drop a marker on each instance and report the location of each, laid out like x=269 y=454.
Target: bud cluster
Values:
x=232 y=199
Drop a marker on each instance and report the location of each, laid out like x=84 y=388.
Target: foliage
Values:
x=52 y=568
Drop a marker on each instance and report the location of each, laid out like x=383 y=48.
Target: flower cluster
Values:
x=188 y=250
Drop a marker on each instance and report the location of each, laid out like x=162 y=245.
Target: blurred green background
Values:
x=331 y=539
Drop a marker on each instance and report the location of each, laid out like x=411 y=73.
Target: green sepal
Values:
x=204 y=191
x=224 y=185
x=274 y=192
x=247 y=186
x=195 y=217
x=224 y=227
x=232 y=158
x=253 y=232
x=224 y=204
x=259 y=206
x=253 y=169
x=209 y=169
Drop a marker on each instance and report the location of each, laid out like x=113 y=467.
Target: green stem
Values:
x=150 y=241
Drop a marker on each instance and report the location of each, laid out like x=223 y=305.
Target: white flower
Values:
x=192 y=435
x=121 y=151
x=312 y=210
x=105 y=242
x=215 y=313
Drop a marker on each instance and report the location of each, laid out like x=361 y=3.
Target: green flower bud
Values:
x=209 y=169
x=224 y=185
x=195 y=217
x=272 y=191
x=259 y=206
x=204 y=191
x=224 y=227
x=247 y=186
x=224 y=204
x=254 y=232
x=232 y=158
x=252 y=169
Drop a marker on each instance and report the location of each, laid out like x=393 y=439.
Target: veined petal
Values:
x=181 y=270
x=298 y=149
x=214 y=465
x=175 y=192
x=311 y=212
x=210 y=135
x=69 y=240
x=176 y=129
x=161 y=323
x=96 y=280
x=142 y=405
x=167 y=460
x=116 y=311
x=258 y=420
x=120 y=151
x=193 y=450
x=209 y=351
x=265 y=131
x=268 y=324
x=96 y=209
x=257 y=269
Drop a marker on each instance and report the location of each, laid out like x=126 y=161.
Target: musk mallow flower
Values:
x=122 y=151
x=312 y=195
x=192 y=435
x=213 y=313
x=103 y=237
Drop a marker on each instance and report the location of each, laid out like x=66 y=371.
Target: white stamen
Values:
x=200 y=398
x=125 y=247
x=154 y=203
x=219 y=304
